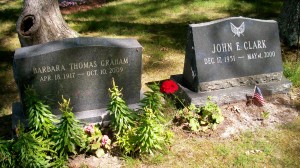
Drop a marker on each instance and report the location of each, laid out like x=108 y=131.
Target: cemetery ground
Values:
x=250 y=136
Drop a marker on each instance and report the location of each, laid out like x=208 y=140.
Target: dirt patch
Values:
x=240 y=117
x=106 y=161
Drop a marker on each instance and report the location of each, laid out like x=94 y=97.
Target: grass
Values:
x=292 y=72
x=160 y=26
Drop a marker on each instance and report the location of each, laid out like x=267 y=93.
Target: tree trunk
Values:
x=41 y=22
x=289 y=22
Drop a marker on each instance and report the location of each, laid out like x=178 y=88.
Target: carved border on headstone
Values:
x=242 y=81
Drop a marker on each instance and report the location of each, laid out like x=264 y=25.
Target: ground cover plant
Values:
x=160 y=26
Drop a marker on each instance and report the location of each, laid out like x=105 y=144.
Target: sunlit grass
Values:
x=292 y=72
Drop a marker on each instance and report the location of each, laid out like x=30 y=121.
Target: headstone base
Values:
x=100 y=116
x=229 y=95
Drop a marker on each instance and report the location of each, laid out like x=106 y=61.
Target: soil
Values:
x=238 y=116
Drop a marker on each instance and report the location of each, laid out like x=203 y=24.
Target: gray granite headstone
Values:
x=226 y=58
x=81 y=69
x=232 y=52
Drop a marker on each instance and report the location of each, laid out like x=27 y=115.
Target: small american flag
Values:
x=258 y=96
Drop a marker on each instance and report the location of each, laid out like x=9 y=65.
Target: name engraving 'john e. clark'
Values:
x=247 y=45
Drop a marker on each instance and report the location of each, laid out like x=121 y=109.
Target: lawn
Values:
x=161 y=28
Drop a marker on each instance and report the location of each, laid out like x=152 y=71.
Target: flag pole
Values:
x=253 y=91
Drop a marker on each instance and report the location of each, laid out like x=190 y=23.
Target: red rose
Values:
x=168 y=87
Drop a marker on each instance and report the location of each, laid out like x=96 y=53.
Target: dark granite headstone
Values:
x=80 y=69
x=226 y=58
x=232 y=52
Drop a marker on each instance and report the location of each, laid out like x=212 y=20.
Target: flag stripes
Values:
x=258 y=96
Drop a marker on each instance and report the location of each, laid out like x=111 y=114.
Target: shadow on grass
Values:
x=124 y=20
x=8 y=90
x=171 y=35
x=10 y=14
x=139 y=9
x=261 y=9
x=6 y=59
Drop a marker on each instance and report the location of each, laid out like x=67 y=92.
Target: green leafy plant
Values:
x=265 y=115
x=189 y=115
x=6 y=158
x=122 y=118
x=29 y=151
x=153 y=100
x=140 y=133
x=210 y=114
x=149 y=134
x=70 y=133
x=200 y=118
x=152 y=132
x=127 y=142
x=41 y=120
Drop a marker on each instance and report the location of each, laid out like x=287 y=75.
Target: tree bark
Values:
x=289 y=22
x=40 y=22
